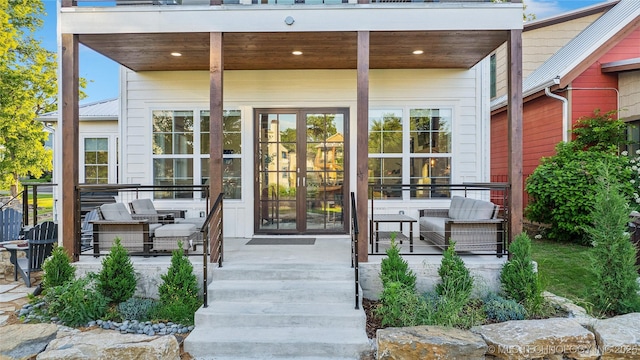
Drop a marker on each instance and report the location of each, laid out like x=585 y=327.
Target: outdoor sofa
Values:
x=473 y=224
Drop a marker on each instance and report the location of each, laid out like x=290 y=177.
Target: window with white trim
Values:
x=96 y=160
x=181 y=150
x=419 y=143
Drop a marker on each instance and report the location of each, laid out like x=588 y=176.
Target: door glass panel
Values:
x=300 y=172
x=276 y=168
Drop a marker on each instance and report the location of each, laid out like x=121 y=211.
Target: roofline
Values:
x=52 y=116
x=571 y=15
x=620 y=66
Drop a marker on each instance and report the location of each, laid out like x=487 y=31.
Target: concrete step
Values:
x=266 y=342
x=281 y=291
x=263 y=314
x=284 y=272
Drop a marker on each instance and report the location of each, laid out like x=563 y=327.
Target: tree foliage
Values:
x=27 y=88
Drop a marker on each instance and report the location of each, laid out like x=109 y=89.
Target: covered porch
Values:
x=216 y=39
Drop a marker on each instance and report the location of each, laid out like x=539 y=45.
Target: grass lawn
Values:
x=563 y=268
x=45 y=201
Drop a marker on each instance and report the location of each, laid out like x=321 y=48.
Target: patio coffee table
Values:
x=386 y=235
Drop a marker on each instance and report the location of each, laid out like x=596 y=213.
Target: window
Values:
x=421 y=142
x=181 y=151
x=96 y=160
x=173 y=150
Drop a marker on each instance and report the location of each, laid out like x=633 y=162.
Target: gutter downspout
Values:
x=565 y=112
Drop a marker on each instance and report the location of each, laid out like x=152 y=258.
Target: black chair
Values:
x=41 y=239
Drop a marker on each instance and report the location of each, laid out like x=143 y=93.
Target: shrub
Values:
x=500 y=309
x=178 y=291
x=394 y=268
x=454 y=288
x=76 y=302
x=57 y=269
x=564 y=185
x=519 y=280
x=400 y=306
x=600 y=132
x=614 y=290
x=136 y=309
x=117 y=279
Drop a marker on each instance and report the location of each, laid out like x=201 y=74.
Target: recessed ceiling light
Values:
x=297 y=52
x=418 y=52
x=175 y=53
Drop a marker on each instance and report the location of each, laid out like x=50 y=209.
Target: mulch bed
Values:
x=373 y=323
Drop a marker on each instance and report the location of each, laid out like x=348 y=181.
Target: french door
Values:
x=301 y=171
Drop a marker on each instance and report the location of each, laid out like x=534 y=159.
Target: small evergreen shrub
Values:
x=400 y=306
x=453 y=290
x=456 y=282
x=500 y=309
x=518 y=279
x=117 y=279
x=57 y=269
x=136 y=309
x=76 y=302
x=178 y=291
x=615 y=289
x=394 y=268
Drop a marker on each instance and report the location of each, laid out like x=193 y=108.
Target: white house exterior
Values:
x=405 y=85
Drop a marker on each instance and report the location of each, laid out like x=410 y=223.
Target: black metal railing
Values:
x=136 y=230
x=355 y=263
x=418 y=217
x=212 y=228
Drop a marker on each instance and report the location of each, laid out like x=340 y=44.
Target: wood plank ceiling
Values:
x=320 y=50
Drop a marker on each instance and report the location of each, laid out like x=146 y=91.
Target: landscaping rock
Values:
x=619 y=337
x=547 y=338
x=107 y=345
x=23 y=341
x=429 y=342
x=574 y=311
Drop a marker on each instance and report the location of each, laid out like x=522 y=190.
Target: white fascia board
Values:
x=244 y=18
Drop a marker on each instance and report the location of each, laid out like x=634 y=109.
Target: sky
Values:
x=103 y=77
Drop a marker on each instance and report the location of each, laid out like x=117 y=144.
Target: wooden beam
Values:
x=68 y=3
x=70 y=150
x=514 y=119
x=215 y=2
x=362 y=145
x=216 y=67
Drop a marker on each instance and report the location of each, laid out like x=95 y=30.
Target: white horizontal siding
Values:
x=246 y=90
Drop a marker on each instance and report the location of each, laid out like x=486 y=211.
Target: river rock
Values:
x=102 y=344
x=546 y=338
x=619 y=337
x=23 y=341
x=429 y=342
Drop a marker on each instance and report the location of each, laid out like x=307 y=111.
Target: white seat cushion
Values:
x=197 y=221
x=115 y=212
x=432 y=224
x=175 y=230
x=153 y=228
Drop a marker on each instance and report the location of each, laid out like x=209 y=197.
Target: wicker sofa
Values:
x=473 y=224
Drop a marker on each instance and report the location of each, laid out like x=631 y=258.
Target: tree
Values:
x=27 y=88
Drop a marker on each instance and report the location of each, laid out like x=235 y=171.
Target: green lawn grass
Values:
x=563 y=268
x=45 y=201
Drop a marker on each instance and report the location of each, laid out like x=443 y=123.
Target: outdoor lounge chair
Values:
x=144 y=208
x=87 y=229
x=40 y=239
x=116 y=222
x=10 y=224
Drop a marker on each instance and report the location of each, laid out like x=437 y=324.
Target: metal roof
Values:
x=577 y=50
x=100 y=110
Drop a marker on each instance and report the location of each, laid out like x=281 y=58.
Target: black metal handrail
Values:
x=34 y=201
x=355 y=264
x=212 y=225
